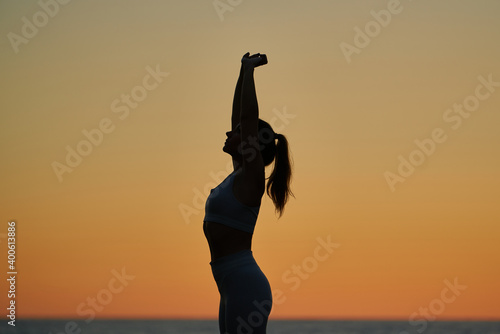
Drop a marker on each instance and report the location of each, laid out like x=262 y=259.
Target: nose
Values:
x=228 y=133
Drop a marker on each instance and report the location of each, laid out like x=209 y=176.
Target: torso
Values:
x=224 y=240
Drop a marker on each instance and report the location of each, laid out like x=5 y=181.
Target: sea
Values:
x=274 y=327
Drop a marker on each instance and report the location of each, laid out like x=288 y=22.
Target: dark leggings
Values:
x=245 y=294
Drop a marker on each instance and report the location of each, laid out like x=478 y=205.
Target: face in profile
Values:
x=233 y=141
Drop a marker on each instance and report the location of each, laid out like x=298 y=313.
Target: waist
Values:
x=224 y=240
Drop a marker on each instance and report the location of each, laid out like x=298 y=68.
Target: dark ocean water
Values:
x=274 y=327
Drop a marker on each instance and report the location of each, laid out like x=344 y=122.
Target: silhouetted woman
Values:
x=232 y=208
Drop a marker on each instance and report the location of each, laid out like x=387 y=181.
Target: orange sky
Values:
x=350 y=118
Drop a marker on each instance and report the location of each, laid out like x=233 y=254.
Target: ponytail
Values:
x=278 y=186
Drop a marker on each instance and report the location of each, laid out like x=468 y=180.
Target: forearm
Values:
x=249 y=104
x=235 y=117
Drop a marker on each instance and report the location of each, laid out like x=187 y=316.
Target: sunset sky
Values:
x=113 y=117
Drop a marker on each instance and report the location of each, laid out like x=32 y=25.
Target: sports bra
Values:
x=224 y=208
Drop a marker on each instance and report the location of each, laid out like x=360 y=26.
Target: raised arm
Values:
x=235 y=116
x=253 y=166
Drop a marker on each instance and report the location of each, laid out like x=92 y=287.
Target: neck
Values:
x=238 y=163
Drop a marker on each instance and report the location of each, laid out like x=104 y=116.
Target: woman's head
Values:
x=267 y=142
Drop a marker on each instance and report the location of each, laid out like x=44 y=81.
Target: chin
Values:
x=228 y=150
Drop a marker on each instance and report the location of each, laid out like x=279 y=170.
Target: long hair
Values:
x=274 y=147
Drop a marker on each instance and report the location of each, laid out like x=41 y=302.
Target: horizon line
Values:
x=184 y=318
